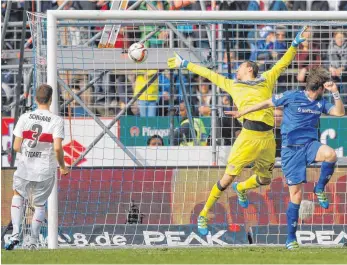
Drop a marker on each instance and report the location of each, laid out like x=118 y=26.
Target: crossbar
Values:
x=200 y=15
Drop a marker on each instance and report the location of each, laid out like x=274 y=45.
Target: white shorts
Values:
x=39 y=191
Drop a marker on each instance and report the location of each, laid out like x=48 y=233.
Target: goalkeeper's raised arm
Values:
x=219 y=80
x=273 y=74
x=247 y=73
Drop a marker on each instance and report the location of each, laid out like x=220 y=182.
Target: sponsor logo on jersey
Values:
x=309 y=111
x=33 y=154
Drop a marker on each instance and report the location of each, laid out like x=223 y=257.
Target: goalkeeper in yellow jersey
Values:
x=256 y=142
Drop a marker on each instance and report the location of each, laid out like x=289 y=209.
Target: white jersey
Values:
x=37 y=161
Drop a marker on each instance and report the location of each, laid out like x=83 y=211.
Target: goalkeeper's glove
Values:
x=176 y=62
x=299 y=38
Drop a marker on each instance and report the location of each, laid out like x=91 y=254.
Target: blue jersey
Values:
x=300 y=116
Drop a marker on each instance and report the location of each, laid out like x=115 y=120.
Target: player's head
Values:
x=44 y=95
x=315 y=81
x=247 y=70
x=155 y=140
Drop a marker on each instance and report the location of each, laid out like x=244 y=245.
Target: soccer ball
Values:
x=138 y=53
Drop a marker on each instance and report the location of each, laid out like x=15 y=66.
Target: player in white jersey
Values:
x=38 y=141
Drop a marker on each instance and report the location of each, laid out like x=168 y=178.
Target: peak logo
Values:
x=327 y=237
x=134 y=131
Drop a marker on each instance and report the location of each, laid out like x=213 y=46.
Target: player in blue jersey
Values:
x=300 y=145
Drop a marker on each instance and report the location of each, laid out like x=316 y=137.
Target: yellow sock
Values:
x=248 y=184
x=214 y=196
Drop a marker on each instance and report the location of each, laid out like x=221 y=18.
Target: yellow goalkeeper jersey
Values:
x=249 y=93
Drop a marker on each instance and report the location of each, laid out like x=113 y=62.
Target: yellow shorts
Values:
x=252 y=146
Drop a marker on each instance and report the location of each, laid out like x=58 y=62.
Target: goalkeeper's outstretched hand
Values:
x=299 y=38
x=176 y=62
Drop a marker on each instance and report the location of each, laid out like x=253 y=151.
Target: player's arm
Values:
x=338 y=109
x=17 y=144
x=59 y=154
x=273 y=74
x=18 y=133
x=276 y=101
x=262 y=105
x=220 y=80
x=58 y=137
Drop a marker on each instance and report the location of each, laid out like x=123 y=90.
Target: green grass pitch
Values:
x=224 y=255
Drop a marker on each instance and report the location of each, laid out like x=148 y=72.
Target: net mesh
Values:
x=134 y=194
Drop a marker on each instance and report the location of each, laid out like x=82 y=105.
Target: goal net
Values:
x=122 y=192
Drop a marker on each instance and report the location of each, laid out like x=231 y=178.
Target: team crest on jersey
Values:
x=319 y=105
x=278 y=96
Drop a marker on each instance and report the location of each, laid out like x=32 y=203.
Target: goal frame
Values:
x=213 y=16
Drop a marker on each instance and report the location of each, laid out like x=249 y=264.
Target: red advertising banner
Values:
x=175 y=196
x=268 y=204
x=105 y=196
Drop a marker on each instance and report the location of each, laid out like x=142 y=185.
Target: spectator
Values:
x=76 y=109
x=7 y=85
x=233 y=63
x=147 y=102
x=279 y=46
x=84 y=5
x=155 y=140
x=343 y=5
x=278 y=5
x=278 y=114
x=338 y=60
x=320 y=6
x=277 y=50
x=179 y=4
x=299 y=5
x=308 y=56
x=203 y=99
x=230 y=127
x=124 y=90
x=164 y=93
x=183 y=136
x=72 y=36
x=160 y=38
x=135 y=109
x=261 y=49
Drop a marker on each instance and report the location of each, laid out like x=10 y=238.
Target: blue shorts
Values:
x=295 y=159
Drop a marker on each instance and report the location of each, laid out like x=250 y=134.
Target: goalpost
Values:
x=164 y=176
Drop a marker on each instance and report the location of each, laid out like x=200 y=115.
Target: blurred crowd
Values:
x=262 y=43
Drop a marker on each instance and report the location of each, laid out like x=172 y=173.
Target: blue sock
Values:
x=327 y=169
x=292 y=220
